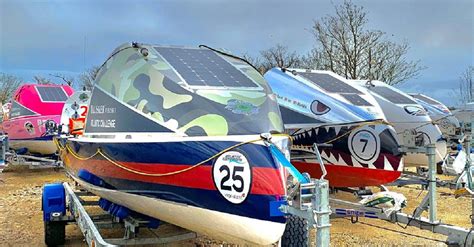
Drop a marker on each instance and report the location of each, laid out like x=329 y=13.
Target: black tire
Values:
x=296 y=232
x=54 y=233
x=439 y=168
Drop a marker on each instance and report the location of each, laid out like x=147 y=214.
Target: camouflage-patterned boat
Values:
x=174 y=133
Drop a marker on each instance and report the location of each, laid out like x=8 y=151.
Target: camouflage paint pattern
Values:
x=151 y=85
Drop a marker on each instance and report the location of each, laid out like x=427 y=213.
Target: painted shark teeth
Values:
x=371 y=165
x=386 y=164
x=332 y=159
x=400 y=165
x=341 y=161
x=324 y=156
x=355 y=163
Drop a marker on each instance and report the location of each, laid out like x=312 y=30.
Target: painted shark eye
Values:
x=415 y=110
x=319 y=108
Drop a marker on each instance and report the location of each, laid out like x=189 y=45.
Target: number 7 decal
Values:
x=365 y=141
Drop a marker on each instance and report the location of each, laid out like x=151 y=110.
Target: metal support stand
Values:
x=456 y=235
x=432 y=193
x=313 y=205
x=320 y=203
x=3 y=151
x=468 y=167
x=322 y=210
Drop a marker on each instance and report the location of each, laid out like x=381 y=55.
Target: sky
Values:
x=69 y=36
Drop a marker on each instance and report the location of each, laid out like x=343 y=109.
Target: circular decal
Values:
x=364 y=145
x=30 y=128
x=232 y=176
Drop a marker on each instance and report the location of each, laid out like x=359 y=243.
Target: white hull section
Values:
x=223 y=226
x=397 y=114
x=41 y=147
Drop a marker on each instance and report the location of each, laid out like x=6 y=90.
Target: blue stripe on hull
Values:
x=183 y=153
x=41 y=138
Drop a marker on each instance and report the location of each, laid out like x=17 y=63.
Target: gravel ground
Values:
x=21 y=218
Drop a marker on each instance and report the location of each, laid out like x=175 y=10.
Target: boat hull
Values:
x=191 y=217
x=348 y=161
x=346 y=176
x=43 y=146
x=186 y=198
x=30 y=133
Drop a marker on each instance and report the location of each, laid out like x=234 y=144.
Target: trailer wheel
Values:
x=54 y=233
x=296 y=232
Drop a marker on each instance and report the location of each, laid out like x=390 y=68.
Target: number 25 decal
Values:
x=232 y=176
x=235 y=177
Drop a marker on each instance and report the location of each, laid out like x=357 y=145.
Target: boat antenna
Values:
x=230 y=55
x=133 y=45
x=286 y=69
x=369 y=83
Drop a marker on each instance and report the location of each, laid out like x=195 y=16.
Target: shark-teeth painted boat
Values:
x=405 y=113
x=34 y=111
x=320 y=107
x=174 y=133
x=438 y=112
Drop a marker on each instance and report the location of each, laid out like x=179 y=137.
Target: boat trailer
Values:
x=457 y=236
x=13 y=159
x=308 y=207
x=62 y=205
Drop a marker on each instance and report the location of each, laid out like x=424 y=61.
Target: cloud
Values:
x=74 y=35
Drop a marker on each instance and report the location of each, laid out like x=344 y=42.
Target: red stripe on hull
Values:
x=265 y=181
x=348 y=176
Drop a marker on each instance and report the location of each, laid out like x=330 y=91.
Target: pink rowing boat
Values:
x=32 y=115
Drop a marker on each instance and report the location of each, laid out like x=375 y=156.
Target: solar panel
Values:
x=200 y=67
x=425 y=99
x=329 y=83
x=52 y=94
x=356 y=99
x=392 y=95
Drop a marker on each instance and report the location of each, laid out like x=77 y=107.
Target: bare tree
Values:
x=345 y=46
x=278 y=56
x=255 y=61
x=87 y=78
x=8 y=85
x=69 y=80
x=42 y=80
x=314 y=60
x=466 y=87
